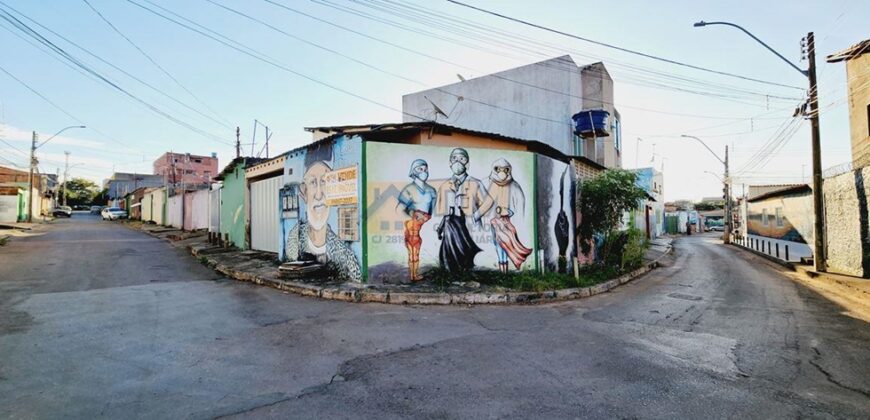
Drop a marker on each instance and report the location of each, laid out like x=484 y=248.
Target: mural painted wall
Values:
x=320 y=206
x=555 y=202
x=787 y=218
x=459 y=208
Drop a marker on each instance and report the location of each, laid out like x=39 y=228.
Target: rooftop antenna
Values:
x=436 y=109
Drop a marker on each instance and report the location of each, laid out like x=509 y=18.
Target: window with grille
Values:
x=764 y=220
x=348 y=223
x=779 y=222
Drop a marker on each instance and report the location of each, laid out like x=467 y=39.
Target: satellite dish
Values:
x=436 y=108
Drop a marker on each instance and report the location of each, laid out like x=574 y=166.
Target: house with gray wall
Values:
x=531 y=102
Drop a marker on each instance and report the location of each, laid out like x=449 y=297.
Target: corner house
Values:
x=378 y=203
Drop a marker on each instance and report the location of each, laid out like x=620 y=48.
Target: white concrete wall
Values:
x=214 y=210
x=265 y=214
x=196 y=205
x=173 y=211
x=8 y=208
x=510 y=90
x=843 y=221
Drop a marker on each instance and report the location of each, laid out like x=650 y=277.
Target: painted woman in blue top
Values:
x=417 y=200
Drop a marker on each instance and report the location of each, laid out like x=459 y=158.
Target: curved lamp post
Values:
x=33 y=147
x=819 y=256
x=726 y=237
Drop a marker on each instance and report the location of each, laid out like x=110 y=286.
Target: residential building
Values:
x=122 y=183
x=649 y=217
x=381 y=203
x=43 y=194
x=857 y=59
x=184 y=170
x=532 y=102
x=779 y=222
x=233 y=211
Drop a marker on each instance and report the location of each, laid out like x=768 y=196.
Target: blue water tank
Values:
x=591 y=123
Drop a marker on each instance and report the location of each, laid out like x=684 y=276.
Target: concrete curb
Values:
x=363 y=294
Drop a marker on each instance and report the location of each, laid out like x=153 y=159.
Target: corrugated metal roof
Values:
x=794 y=189
x=854 y=51
x=535 y=145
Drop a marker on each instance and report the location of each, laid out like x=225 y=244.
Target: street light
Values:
x=726 y=237
x=813 y=102
x=33 y=147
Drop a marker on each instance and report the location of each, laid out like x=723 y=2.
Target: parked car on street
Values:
x=113 y=213
x=62 y=211
x=96 y=209
x=717 y=228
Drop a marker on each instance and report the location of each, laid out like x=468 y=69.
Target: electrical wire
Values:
x=495 y=75
x=456 y=25
x=618 y=48
x=154 y=62
x=72 y=59
x=251 y=52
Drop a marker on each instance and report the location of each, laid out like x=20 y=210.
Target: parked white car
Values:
x=113 y=213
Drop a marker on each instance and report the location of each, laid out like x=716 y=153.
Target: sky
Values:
x=336 y=62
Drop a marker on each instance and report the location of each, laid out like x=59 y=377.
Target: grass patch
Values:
x=526 y=280
x=4 y=240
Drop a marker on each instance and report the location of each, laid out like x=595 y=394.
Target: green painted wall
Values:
x=233 y=206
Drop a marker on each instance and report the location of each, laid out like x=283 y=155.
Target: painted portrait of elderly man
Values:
x=313 y=238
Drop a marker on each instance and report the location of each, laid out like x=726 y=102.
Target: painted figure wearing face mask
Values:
x=506 y=199
x=463 y=192
x=417 y=200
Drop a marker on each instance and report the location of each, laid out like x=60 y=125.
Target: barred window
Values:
x=764 y=220
x=779 y=222
x=348 y=223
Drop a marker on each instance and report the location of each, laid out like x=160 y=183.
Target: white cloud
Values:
x=15 y=134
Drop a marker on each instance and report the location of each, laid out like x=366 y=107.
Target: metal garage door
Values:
x=264 y=214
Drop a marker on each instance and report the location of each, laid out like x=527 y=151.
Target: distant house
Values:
x=650 y=215
x=43 y=194
x=184 y=170
x=780 y=222
x=122 y=183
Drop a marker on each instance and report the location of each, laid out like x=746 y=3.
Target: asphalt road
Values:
x=97 y=320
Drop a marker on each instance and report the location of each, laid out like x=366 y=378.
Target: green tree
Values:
x=709 y=205
x=603 y=200
x=81 y=191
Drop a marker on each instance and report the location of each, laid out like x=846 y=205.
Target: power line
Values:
x=126 y=73
x=153 y=61
x=60 y=51
x=626 y=50
x=455 y=25
x=259 y=56
x=446 y=61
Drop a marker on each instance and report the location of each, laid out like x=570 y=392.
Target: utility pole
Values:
x=65 y=174
x=727 y=190
x=30 y=179
x=818 y=206
x=238 y=143
x=819 y=257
